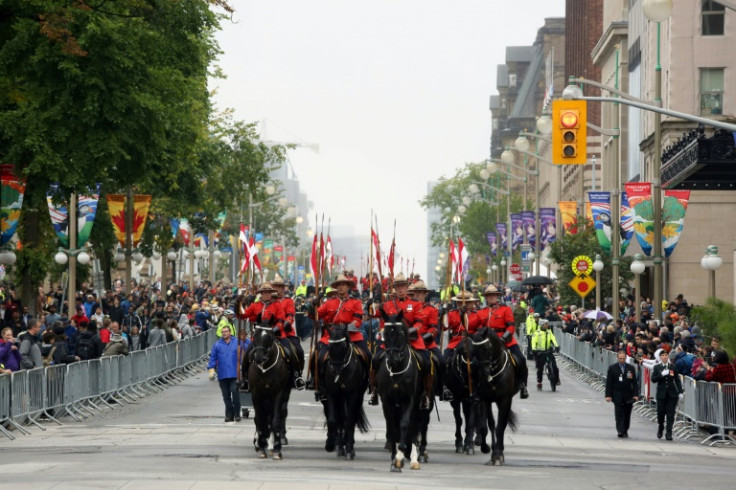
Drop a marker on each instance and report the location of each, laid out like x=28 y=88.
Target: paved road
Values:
x=177 y=439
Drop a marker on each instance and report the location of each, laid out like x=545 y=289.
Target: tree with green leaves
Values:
x=110 y=93
x=482 y=210
x=584 y=242
x=718 y=317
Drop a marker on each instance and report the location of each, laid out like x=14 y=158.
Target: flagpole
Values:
x=316 y=328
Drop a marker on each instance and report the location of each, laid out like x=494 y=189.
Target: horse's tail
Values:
x=362 y=421
x=513 y=421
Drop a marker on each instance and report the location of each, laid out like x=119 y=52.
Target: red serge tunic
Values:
x=269 y=310
x=501 y=319
x=335 y=310
x=410 y=309
x=455 y=326
x=427 y=318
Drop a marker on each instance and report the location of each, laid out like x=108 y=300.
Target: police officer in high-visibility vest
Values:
x=543 y=344
x=531 y=327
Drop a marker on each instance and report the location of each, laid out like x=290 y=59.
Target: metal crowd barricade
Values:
x=687 y=426
x=79 y=388
x=728 y=397
x=5 y=396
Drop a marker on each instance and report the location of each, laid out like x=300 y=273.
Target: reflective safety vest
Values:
x=543 y=340
x=531 y=325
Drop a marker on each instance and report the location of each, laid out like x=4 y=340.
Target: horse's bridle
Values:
x=278 y=352
x=400 y=351
x=493 y=363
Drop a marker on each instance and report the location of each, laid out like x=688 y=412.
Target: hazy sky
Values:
x=394 y=92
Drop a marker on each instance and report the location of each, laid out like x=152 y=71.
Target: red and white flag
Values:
x=390 y=260
x=330 y=259
x=313 y=260
x=377 y=247
x=453 y=257
x=462 y=257
x=243 y=237
x=253 y=253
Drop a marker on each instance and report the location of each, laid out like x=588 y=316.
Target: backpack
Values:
x=49 y=359
x=26 y=362
x=84 y=347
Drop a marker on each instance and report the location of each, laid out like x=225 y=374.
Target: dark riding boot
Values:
x=299 y=383
x=446 y=394
x=428 y=385
x=372 y=383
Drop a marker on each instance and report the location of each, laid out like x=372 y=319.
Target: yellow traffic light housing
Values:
x=569 y=132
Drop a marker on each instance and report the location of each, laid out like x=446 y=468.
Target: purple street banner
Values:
x=517 y=231
x=502 y=236
x=528 y=218
x=491 y=237
x=600 y=206
x=548 y=227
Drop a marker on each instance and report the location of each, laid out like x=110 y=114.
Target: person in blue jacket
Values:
x=224 y=359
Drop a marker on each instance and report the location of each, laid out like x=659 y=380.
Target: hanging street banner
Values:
x=674 y=207
x=600 y=204
x=517 y=231
x=502 y=237
x=627 y=223
x=569 y=216
x=547 y=227
x=141 y=204
x=13 y=190
x=86 y=213
x=528 y=220
x=491 y=237
x=640 y=200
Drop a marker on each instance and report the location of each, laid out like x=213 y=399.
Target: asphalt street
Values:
x=178 y=439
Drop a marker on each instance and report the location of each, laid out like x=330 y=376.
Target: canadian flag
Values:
x=250 y=251
x=462 y=257
x=377 y=247
x=313 y=260
x=453 y=257
x=330 y=259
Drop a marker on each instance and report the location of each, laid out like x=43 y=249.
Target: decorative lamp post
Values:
x=598 y=267
x=657 y=11
x=503 y=270
x=711 y=261
x=637 y=267
x=494 y=268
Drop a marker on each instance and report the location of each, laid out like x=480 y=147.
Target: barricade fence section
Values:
x=706 y=405
x=77 y=389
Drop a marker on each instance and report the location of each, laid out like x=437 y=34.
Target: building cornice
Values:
x=616 y=33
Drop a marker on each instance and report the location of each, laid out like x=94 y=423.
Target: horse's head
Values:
x=264 y=339
x=339 y=343
x=488 y=349
x=395 y=337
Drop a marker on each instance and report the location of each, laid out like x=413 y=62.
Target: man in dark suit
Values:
x=669 y=389
x=621 y=389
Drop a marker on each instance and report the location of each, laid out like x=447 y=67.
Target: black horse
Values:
x=399 y=384
x=344 y=381
x=270 y=385
x=463 y=404
x=495 y=382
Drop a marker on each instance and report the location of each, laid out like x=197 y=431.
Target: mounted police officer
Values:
x=500 y=318
x=462 y=318
x=288 y=332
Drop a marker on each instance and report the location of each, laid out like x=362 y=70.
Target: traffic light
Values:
x=569 y=132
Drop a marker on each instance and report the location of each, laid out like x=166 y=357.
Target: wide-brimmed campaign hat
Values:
x=341 y=279
x=465 y=296
x=266 y=287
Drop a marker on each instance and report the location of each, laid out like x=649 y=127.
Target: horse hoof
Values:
x=497 y=463
x=395 y=469
x=387 y=446
x=458 y=449
x=278 y=456
x=262 y=455
x=349 y=456
x=329 y=446
x=485 y=448
x=284 y=441
x=414 y=466
x=470 y=451
x=400 y=464
x=341 y=452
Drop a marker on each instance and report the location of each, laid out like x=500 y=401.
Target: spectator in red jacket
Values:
x=723 y=371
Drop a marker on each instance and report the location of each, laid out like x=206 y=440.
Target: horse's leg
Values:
x=471 y=424
x=341 y=414
x=261 y=427
x=480 y=418
x=491 y=422
x=423 y=429
x=330 y=413
x=455 y=404
x=504 y=409
x=284 y=414
x=414 y=465
x=353 y=407
x=276 y=424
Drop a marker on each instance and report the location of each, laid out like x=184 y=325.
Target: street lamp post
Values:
x=657 y=11
x=711 y=261
x=637 y=267
x=503 y=271
x=494 y=276
x=598 y=267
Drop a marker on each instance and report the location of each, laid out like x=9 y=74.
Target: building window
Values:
x=711 y=91
x=714 y=15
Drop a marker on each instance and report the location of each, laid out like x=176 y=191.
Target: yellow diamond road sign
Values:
x=582 y=285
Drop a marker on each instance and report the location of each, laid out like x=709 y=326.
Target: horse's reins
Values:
x=278 y=351
x=408 y=362
x=505 y=359
x=350 y=355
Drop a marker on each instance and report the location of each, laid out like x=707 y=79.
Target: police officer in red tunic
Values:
x=342 y=309
x=270 y=311
x=500 y=318
x=409 y=307
x=288 y=332
x=465 y=305
x=427 y=318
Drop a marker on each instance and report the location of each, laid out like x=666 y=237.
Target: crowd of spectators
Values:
x=104 y=323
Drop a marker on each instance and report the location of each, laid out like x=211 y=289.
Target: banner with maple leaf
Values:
x=116 y=207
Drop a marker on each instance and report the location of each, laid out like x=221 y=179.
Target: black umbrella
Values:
x=537 y=281
x=519 y=289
